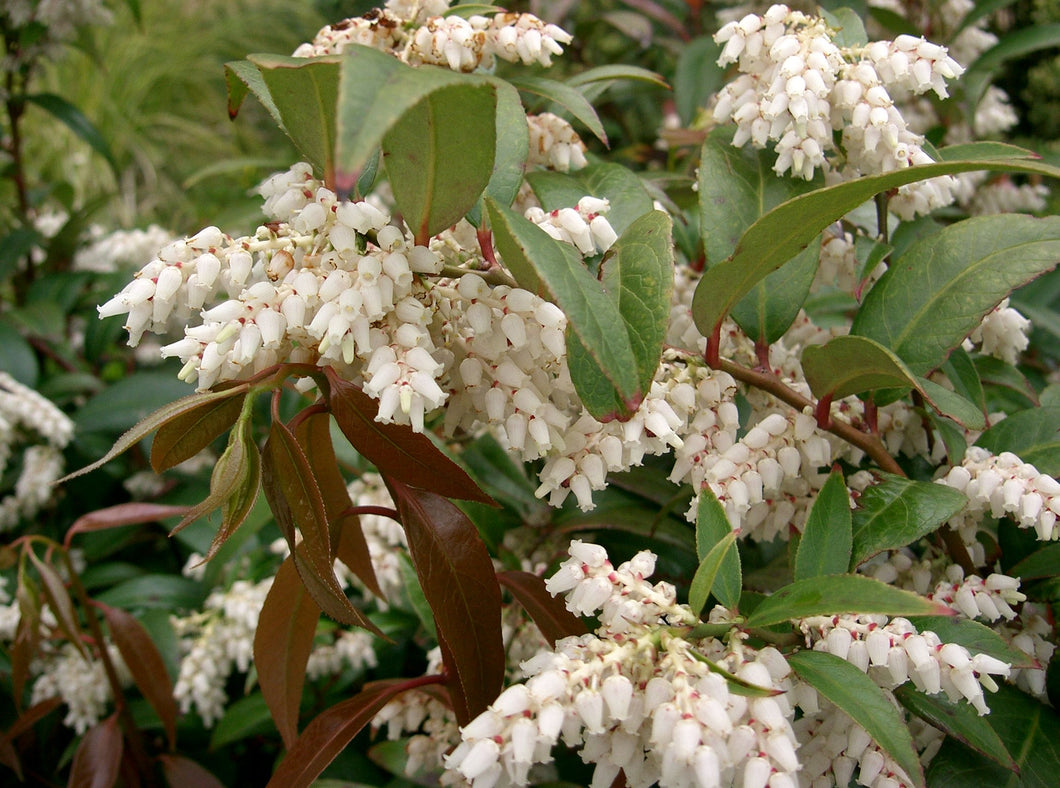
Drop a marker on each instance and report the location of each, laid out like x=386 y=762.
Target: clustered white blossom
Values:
x=796 y=86
x=420 y=33
x=554 y=143
x=584 y=226
x=80 y=683
x=34 y=432
x=105 y=252
x=387 y=544
x=1002 y=334
x=1003 y=485
x=635 y=696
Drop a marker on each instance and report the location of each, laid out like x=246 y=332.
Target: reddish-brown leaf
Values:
x=27 y=634
x=154 y=421
x=132 y=513
x=58 y=599
x=347 y=538
x=188 y=433
x=459 y=582
x=395 y=449
x=548 y=612
x=183 y=772
x=146 y=666
x=98 y=756
x=8 y=754
x=296 y=503
x=9 y=758
x=282 y=643
x=330 y=732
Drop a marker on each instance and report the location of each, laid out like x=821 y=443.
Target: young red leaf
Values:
x=347 y=538
x=282 y=643
x=27 y=635
x=9 y=758
x=460 y=584
x=132 y=513
x=395 y=449
x=330 y=732
x=146 y=666
x=8 y=754
x=98 y=757
x=548 y=612
x=188 y=433
x=155 y=420
x=58 y=599
x=296 y=503
x=183 y=772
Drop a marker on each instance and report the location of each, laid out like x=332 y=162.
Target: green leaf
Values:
x=566 y=97
x=243 y=456
x=242 y=76
x=848 y=23
x=1017 y=43
x=951 y=404
x=1041 y=563
x=697 y=76
x=961 y=372
x=938 y=291
x=767 y=312
x=544 y=265
x=513 y=145
x=283 y=640
x=787 y=229
x=395 y=449
x=436 y=176
x=826 y=542
x=706 y=575
x=836 y=594
x=712 y=526
x=1033 y=435
x=304 y=93
x=1029 y=730
x=154 y=591
x=898 y=511
x=129 y=401
x=458 y=579
x=975 y=637
x=15 y=247
x=856 y=694
x=191 y=431
x=16 y=356
x=549 y=613
x=616 y=71
x=243 y=718
x=75 y=120
x=958 y=720
x=849 y=365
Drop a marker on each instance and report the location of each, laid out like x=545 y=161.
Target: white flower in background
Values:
x=584 y=226
x=554 y=143
x=105 y=252
x=634 y=697
x=1004 y=196
x=1004 y=485
x=81 y=684
x=349 y=649
x=33 y=432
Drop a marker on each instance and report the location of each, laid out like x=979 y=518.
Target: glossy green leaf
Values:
x=549 y=613
x=192 y=430
x=787 y=229
x=145 y=663
x=975 y=637
x=898 y=511
x=956 y=719
x=566 y=97
x=458 y=579
x=395 y=449
x=858 y=695
x=553 y=269
x=241 y=77
x=1033 y=435
x=851 y=31
x=938 y=291
x=827 y=540
x=706 y=575
x=283 y=640
x=304 y=92
x=142 y=401
x=712 y=526
x=296 y=503
x=834 y=594
x=17 y=358
x=329 y=733
x=951 y=404
x=149 y=591
x=436 y=176
x=243 y=718
x=97 y=760
x=1014 y=44
x=615 y=71
x=767 y=312
x=961 y=372
x=697 y=76
x=1041 y=563
x=75 y=120
x=849 y=365
x=1030 y=731
x=512 y=146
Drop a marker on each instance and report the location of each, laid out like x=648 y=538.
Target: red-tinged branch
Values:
x=382 y=511
x=770 y=383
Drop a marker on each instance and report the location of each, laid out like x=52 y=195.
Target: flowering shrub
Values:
x=493 y=382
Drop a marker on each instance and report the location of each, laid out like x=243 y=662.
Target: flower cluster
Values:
x=584 y=226
x=34 y=432
x=421 y=34
x=796 y=86
x=80 y=683
x=635 y=696
x=1004 y=485
x=1002 y=334
x=554 y=143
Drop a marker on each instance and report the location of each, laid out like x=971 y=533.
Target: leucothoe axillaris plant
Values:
x=746 y=495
